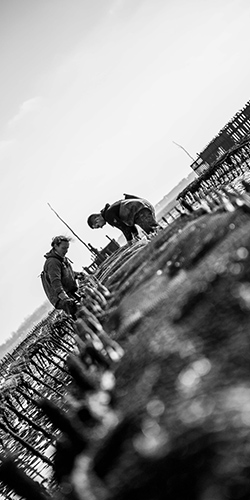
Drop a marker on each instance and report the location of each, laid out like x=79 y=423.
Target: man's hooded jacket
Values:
x=58 y=278
x=122 y=213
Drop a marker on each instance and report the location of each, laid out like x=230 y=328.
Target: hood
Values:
x=105 y=208
x=52 y=253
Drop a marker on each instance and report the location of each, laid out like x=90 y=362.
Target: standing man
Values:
x=125 y=215
x=58 y=277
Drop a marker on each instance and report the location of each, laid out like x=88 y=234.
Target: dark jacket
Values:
x=121 y=214
x=58 y=277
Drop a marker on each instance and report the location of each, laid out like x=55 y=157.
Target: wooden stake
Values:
x=78 y=237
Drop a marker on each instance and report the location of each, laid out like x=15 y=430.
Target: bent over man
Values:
x=125 y=215
x=58 y=277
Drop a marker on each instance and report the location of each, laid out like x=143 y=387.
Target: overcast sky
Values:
x=93 y=94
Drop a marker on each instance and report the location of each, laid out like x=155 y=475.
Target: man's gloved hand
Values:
x=70 y=306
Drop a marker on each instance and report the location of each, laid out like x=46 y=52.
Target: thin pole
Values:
x=78 y=237
x=184 y=150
